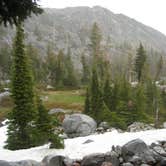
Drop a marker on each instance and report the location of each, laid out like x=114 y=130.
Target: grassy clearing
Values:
x=73 y=99
x=4 y=112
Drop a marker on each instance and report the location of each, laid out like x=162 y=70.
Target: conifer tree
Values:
x=45 y=132
x=140 y=61
x=159 y=68
x=85 y=71
x=95 y=40
x=23 y=113
x=60 y=70
x=107 y=94
x=96 y=96
x=70 y=78
x=87 y=107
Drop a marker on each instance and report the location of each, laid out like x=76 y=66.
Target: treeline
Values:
x=117 y=100
x=58 y=69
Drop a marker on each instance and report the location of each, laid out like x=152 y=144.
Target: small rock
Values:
x=159 y=150
x=100 y=130
x=104 y=125
x=88 y=141
x=121 y=160
x=56 y=110
x=127 y=164
x=136 y=160
x=106 y=164
x=76 y=164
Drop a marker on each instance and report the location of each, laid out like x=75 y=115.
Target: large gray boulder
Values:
x=137 y=149
x=77 y=125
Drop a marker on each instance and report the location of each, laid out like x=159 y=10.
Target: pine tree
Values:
x=87 y=107
x=107 y=94
x=96 y=96
x=159 y=68
x=60 y=70
x=50 y=66
x=70 y=78
x=45 y=128
x=85 y=71
x=21 y=119
x=95 y=40
x=140 y=61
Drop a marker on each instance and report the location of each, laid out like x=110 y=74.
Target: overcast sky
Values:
x=149 y=12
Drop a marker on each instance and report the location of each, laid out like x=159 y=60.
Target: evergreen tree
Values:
x=96 y=96
x=70 y=76
x=37 y=64
x=21 y=119
x=95 y=40
x=85 y=71
x=159 y=68
x=87 y=107
x=45 y=128
x=14 y=11
x=60 y=70
x=50 y=66
x=140 y=61
x=107 y=94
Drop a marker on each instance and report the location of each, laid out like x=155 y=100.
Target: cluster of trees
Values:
x=115 y=99
x=29 y=123
x=60 y=70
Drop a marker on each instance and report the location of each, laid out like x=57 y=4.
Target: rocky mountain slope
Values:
x=70 y=28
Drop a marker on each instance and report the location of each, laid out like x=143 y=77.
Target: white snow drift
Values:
x=74 y=148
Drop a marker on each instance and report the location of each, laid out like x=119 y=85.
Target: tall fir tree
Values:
x=70 y=78
x=96 y=96
x=85 y=71
x=96 y=38
x=159 y=68
x=23 y=113
x=60 y=70
x=140 y=62
x=87 y=107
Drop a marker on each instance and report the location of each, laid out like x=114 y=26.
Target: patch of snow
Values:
x=75 y=148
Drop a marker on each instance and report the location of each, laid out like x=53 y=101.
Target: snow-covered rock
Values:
x=4 y=95
x=139 y=126
x=77 y=125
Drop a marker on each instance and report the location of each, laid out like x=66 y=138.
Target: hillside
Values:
x=70 y=28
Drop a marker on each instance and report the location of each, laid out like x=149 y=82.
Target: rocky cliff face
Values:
x=70 y=27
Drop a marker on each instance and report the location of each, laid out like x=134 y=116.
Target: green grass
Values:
x=4 y=112
x=73 y=99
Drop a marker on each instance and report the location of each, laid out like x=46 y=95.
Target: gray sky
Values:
x=149 y=12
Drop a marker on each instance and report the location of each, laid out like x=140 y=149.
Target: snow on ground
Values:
x=74 y=148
